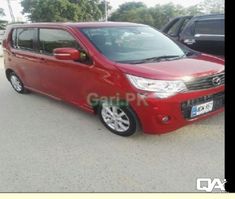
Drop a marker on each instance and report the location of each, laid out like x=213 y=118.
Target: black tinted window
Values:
x=25 y=38
x=49 y=39
x=210 y=27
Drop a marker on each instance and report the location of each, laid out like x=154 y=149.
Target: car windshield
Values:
x=132 y=44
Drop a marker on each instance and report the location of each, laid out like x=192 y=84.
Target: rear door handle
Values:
x=189 y=41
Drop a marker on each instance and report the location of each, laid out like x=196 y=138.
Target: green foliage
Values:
x=194 y=10
x=63 y=10
x=94 y=10
x=124 y=10
x=159 y=15
x=89 y=10
x=101 y=6
x=138 y=12
x=164 y=13
x=49 y=10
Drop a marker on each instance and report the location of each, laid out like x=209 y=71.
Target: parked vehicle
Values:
x=129 y=74
x=202 y=33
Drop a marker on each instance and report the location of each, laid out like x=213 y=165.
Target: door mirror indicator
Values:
x=69 y=54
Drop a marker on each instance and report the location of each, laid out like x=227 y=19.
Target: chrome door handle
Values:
x=189 y=41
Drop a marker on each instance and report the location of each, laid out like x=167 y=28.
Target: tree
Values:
x=138 y=12
x=130 y=6
x=140 y=15
x=159 y=15
x=89 y=10
x=49 y=10
x=164 y=13
x=101 y=6
x=62 y=10
x=194 y=10
x=124 y=10
x=212 y=6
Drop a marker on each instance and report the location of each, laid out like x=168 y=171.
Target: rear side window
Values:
x=24 y=38
x=49 y=39
x=214 y=27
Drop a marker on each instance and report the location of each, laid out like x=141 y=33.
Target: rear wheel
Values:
x=120 y=120
x=16 y=83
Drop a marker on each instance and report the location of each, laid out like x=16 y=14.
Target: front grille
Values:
x=206 y=82
x=218 y=102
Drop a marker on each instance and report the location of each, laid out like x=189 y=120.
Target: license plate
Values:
x=201 y=109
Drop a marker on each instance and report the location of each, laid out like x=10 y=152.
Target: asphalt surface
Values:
x=50 y=146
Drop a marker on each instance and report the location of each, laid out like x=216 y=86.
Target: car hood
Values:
x=198 y=66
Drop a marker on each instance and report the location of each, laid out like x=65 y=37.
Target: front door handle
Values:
x=189 y=41
x=43 y=60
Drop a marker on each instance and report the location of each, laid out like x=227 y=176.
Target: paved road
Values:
x=50 y=146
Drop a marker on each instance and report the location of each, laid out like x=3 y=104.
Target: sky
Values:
x=114 y=3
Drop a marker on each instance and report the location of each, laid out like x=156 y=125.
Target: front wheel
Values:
x=120 y=120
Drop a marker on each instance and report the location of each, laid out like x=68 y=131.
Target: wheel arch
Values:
x=8 y=72
x=97 y=106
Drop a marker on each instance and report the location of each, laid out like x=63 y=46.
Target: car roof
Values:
x=185 y=16
x=200 y=17
x=79 y=25
x=209 y=16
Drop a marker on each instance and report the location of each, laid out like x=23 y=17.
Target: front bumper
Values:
x=177 y=109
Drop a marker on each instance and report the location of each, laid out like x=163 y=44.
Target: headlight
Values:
x=162 y=88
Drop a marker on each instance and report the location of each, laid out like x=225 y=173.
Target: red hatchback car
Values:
x=129 y=74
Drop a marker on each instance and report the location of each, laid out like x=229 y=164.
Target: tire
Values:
x=17 y=84
x=120 y=120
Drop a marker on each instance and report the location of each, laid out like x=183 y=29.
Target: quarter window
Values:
x=13 y=39
x=49 y=39
x=210 y=27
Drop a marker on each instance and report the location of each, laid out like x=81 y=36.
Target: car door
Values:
x=60 y=78
x=207 y=37
x=24 y=57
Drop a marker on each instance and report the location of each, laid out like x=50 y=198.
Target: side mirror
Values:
x=68 y=54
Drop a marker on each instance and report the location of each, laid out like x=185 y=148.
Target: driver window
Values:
x=49 y=39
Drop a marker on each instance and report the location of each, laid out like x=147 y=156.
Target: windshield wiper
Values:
x=156 y=59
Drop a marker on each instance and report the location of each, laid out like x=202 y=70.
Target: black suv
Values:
x=201 y=33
